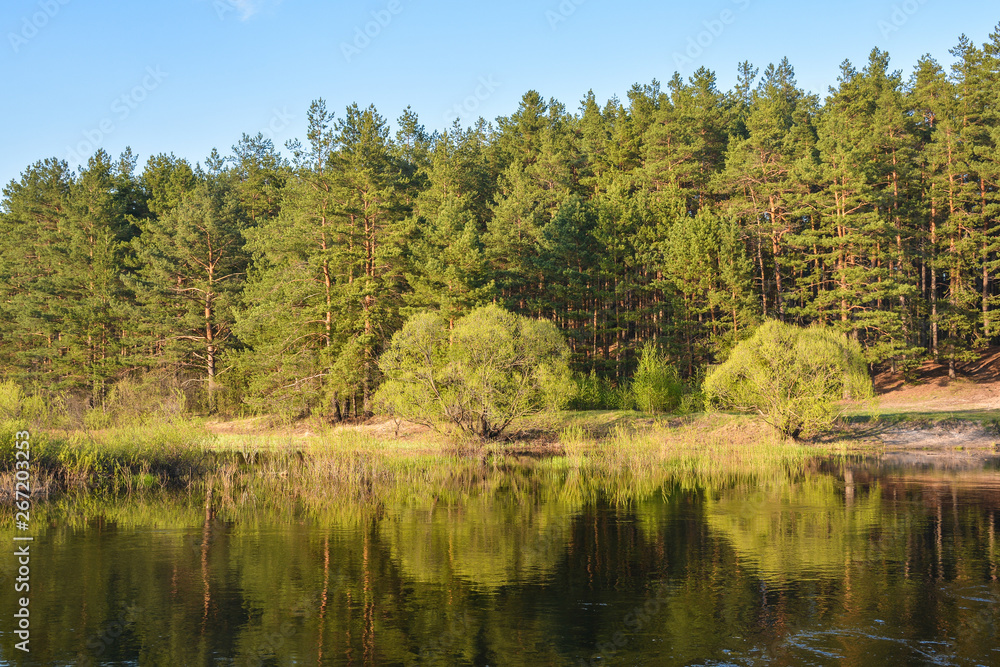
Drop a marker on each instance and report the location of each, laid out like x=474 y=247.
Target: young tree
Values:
x=494 y=367
x=656 y=386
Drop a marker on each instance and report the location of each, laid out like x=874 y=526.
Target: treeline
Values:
x=683 y=216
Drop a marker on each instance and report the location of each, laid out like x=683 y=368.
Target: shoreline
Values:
x=360 y=459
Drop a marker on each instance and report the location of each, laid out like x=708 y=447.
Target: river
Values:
x=888 y=560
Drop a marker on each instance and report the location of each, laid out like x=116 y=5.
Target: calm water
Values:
x=861 y=563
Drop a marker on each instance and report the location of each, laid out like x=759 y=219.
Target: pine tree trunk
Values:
x=779 y=303
x=210 y=356
x=763 y=277
x=986 y=258
x=933 y=267
x=328 y=288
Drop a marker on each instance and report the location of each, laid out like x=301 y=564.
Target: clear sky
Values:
x=185 y=76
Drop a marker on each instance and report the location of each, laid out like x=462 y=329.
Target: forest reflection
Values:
x=835 y=562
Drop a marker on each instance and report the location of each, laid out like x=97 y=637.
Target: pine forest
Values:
x=270 y=280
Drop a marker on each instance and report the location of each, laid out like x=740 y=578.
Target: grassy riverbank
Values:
x=621 y=452
x=141 y=445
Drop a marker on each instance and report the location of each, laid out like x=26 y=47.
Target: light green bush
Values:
x=145 y=399
x=31 y=410
x=494 y=367
x=593 y=392
x=656 y=385
x=792 y=377
x=10 y=400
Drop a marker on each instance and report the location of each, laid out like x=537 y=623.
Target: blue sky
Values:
x=185 y=76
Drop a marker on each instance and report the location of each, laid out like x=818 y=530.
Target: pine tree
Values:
x=447 y=264
x=706 y=271
x=685 y=145
x=192 y=267
x=447 y=269
x=67 y=307
x=293 y=304
x=374 y=192
x=32 y=283
x=97 y=311
x=166 y=179
x=929 y=93
x=767 y=177
x=861 y=130
x=540 y=147
x=951 y=196
x=987 y=164
x=568 y=253
x=260 y=174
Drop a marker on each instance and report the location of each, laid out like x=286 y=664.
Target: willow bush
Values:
x=792 y=377
x=492 y=368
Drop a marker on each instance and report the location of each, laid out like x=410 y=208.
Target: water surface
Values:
x=846 y=562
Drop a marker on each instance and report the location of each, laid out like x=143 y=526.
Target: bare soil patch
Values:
x=947 y=414
x=976 y=387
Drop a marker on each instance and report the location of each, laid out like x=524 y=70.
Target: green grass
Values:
x=986 y=418
x=621 y=456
